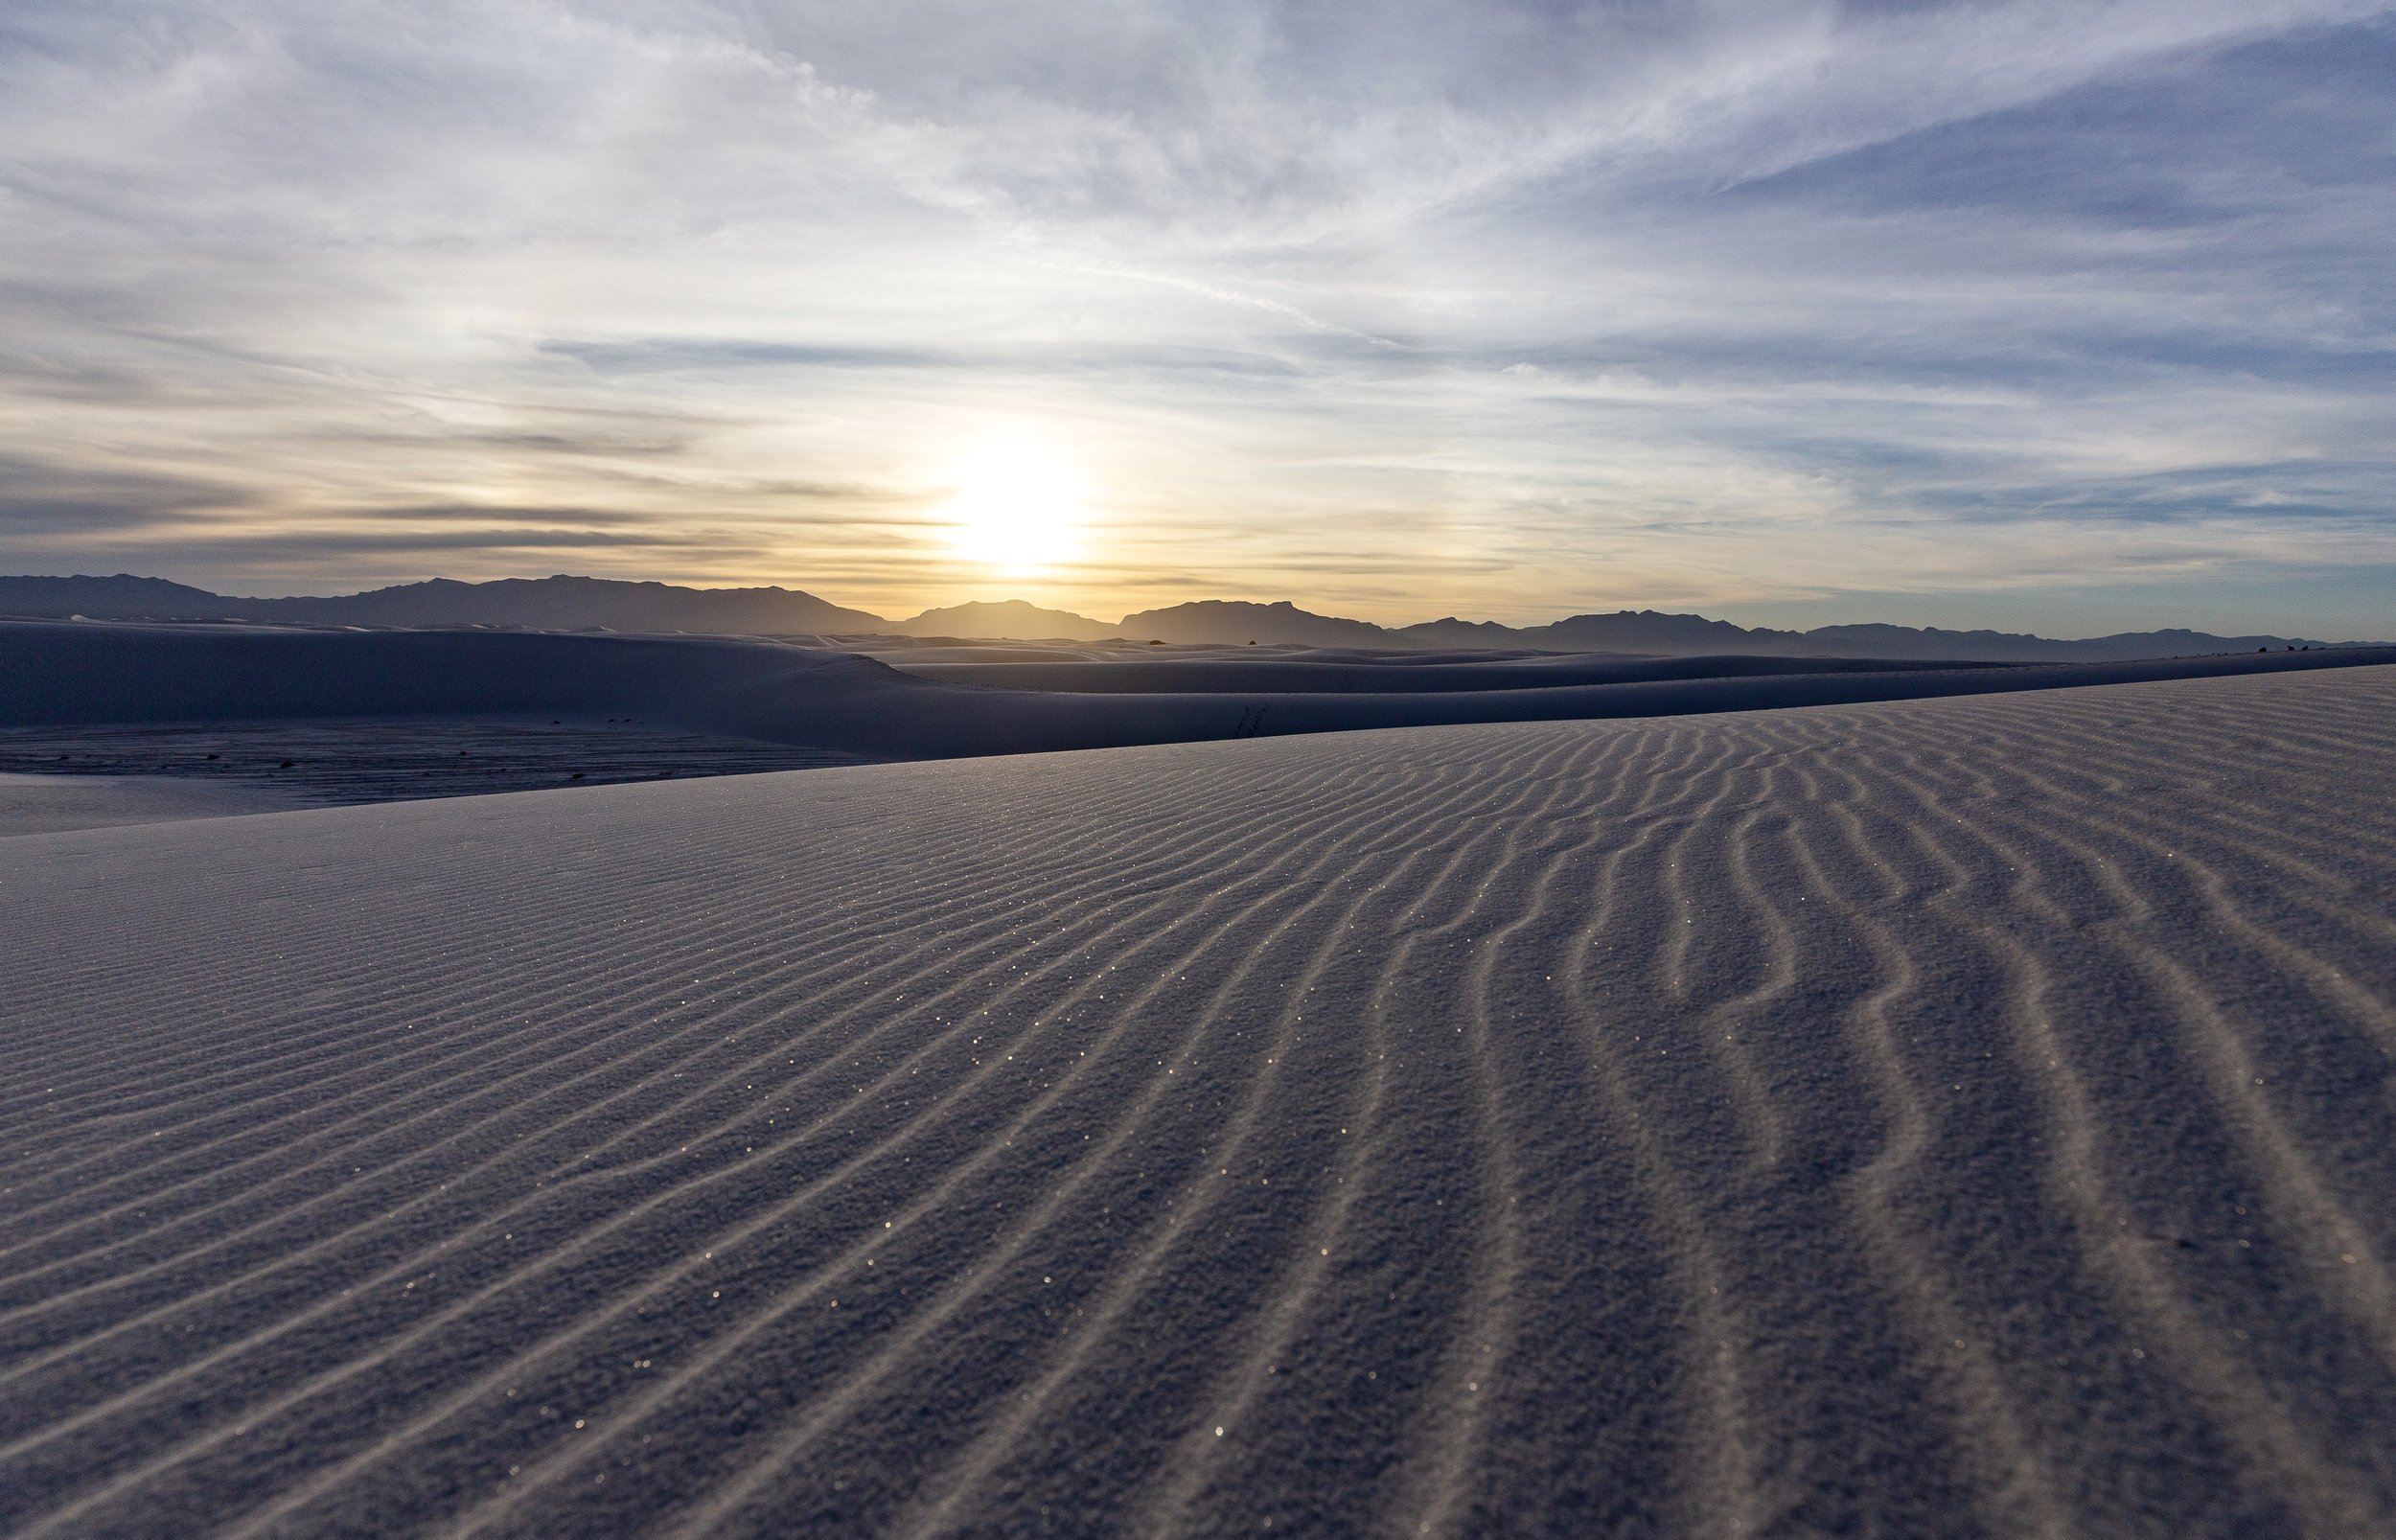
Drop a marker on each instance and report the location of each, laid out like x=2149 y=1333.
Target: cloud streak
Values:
x=1509 y=309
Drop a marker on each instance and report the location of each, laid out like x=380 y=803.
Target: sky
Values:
x=2068 y=316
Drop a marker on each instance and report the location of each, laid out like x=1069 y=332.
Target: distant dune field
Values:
x=1932 y=1118
x=824 y=697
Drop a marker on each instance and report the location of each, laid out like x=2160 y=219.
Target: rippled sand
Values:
x=1934 y=1117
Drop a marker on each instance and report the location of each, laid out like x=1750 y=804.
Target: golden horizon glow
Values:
x=906 y=304
x=1018 y=507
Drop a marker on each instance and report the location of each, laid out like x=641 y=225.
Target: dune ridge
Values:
x=1950 y=1117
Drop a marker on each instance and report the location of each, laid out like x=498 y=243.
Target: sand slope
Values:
x=1947 y=1117
x=44 y=804
x=158 y=770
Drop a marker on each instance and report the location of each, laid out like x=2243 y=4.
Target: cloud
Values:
x=665 y=355
x=44 y=499
x=1513 y=306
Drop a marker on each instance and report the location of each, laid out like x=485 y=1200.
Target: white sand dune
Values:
x=45 y=804
x=1940 y=1117
x=79 y=776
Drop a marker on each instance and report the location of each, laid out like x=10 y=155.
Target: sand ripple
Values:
x=1964 y=1117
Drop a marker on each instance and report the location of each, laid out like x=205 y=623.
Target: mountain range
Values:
x=576 y=603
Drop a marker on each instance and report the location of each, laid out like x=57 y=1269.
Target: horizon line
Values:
x=1128 y=617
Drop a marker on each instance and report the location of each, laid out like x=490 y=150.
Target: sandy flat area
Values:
x=52 y=777
x=1959 y=1116
x=44 y=804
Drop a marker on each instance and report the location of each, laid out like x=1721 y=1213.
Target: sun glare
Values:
x=1017 y=507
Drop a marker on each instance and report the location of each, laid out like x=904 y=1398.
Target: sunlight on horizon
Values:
x=1018 y=507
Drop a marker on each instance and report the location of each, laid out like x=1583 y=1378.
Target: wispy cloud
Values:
x=1501 y=308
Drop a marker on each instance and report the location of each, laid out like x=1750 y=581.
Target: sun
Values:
x=1018 y=506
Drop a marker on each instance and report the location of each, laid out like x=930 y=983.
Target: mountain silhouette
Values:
x=565 y=603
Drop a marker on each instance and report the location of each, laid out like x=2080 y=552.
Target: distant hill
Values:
x=1008 y=618
x=122 y=597
x=573 y=603
x=549 y=603
x=1647 y=631
x=1453 y=632
x=1236 y=620
x=1651 y=633
x=2011 y=647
